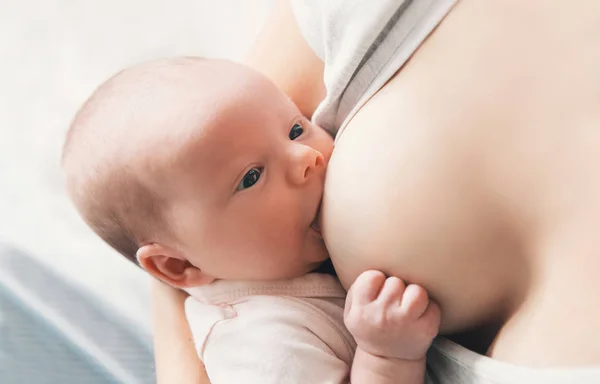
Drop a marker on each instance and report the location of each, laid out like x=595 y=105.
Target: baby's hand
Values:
x=391 y=320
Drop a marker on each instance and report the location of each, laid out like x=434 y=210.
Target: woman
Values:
x=471 y=171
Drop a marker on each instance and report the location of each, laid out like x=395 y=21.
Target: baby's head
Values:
x=199 y=169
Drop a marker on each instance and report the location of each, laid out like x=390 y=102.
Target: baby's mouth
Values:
x=315 y=223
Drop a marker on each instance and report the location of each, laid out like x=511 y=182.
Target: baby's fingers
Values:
x=431 y=319
x=366 y=288
x=414 y=301
x=391 y=293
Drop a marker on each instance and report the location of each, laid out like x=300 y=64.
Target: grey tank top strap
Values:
x=362 y=43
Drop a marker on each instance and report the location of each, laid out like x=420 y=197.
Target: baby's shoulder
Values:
x=299 y=317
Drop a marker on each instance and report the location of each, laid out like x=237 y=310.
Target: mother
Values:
x=472 y=171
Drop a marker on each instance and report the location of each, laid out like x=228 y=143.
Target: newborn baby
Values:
x=208 y=177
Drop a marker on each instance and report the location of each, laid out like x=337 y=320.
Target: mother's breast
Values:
x=403 y=195
x=406 y=190
x=474 y=173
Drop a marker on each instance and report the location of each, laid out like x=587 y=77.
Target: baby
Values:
x=209 y=178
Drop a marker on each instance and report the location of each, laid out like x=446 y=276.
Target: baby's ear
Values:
x=170 y=266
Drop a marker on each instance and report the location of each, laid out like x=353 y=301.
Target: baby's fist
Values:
x=389 y=319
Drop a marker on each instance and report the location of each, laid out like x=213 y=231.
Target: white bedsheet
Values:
x=53 y=53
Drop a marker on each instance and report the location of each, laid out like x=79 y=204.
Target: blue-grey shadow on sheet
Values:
x=52 y=333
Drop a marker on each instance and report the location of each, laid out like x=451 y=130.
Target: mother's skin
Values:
x=474 y=172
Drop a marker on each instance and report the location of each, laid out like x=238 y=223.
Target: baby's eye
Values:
x=250 y=178
x=296 y=131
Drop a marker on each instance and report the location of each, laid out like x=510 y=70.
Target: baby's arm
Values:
x=393 y=325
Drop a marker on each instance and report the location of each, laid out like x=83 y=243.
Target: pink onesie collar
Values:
x=310 y=285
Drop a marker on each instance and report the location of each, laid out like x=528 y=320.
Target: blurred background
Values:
x=71 y=309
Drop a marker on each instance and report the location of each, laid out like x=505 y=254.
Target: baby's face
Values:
x=247 y=189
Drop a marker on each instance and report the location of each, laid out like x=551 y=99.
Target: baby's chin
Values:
x=318 y=257
x=315 y=266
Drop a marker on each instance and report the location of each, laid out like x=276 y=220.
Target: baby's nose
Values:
x=305 y=163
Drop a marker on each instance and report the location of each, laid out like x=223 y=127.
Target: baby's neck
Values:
x=327 y=268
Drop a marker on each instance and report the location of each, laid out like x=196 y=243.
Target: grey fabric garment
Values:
x=448 y=362
x=363 y=44
x=52 y=333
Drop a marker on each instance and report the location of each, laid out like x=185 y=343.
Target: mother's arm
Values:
x=280 y=53
x=174 y=352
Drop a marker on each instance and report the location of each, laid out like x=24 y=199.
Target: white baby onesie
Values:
x=272 y=331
